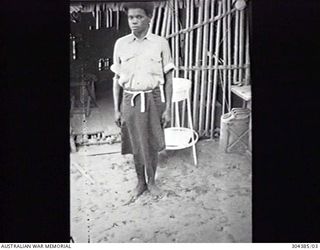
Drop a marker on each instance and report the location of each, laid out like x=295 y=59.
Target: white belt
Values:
x=143 y=97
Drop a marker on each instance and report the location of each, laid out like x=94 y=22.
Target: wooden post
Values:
x=203 y=82
x=215 y=76
x=197 y=73
x=211 y=41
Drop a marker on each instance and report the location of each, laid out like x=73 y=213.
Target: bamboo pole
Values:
x=203 y=82
x=158 y=20
x=111 y=18
x=221 y=67
x=197 y=74
x=190 y=59
x=236 y=42
x=215 y=76
x=191 y=39
x=207 y=122
x=152 y=19
x=168 y=26
x=224 y=52
x=214 y=19
x=164 y=22
x=241 y=44
x=229 y=53
x=173 y=50
x=98 y=16
x=118 y=16
x=176 y=8
x=247 y=62
x=186 y=55
x=186 y=48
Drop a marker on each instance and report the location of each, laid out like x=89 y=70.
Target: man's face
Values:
x=138 y=20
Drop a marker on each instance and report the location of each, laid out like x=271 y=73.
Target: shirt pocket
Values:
x=155 y=67
x=127 y=63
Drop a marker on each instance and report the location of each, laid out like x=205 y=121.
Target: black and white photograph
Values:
x=173 y=121
x=160 y=121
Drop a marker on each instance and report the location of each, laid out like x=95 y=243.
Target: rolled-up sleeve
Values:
x=115 y=67
x=166 y=57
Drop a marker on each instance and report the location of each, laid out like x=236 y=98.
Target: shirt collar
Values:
x=148 y=36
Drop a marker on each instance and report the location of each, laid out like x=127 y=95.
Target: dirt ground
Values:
x=209 y=203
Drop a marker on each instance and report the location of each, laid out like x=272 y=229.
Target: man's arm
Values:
x=116 y=100
x=166 y=116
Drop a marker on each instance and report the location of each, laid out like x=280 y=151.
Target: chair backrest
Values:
x=180 y=89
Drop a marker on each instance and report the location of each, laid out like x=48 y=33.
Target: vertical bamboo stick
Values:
x=172 y=48
x=111 y=17
x=151 y=27
x=247 y=77
x=186 y=55
x=241 y=44
x=97 y=16
x=164 y=21
x=236 y=43
x=168 y=26
x=224 y=52
x=107 y=17
x=191 y=44
x=177 y=38
x=203 y=82
x=191 y=39
x=229 y=53
x=186 y=48
x=211 y=42
x=197 y=73
x=215 y=76
x=158 y=20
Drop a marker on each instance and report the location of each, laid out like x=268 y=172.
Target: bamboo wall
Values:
x=209 y=41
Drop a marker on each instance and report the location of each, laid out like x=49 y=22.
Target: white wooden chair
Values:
x=179 y=137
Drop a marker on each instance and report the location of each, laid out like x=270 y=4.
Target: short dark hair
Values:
x=146 y=6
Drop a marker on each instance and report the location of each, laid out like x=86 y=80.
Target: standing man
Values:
x=142 y=91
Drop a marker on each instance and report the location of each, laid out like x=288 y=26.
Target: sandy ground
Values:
x=210 y=202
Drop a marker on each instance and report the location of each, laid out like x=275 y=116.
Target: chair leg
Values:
x=194 y=155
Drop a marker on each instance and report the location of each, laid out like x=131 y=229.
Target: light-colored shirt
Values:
x=141 y=64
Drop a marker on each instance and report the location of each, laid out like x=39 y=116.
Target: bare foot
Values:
x=154 y=190
x=139 y=190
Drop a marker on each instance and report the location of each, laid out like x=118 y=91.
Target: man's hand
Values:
x=165 y=119
x=117 y=116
